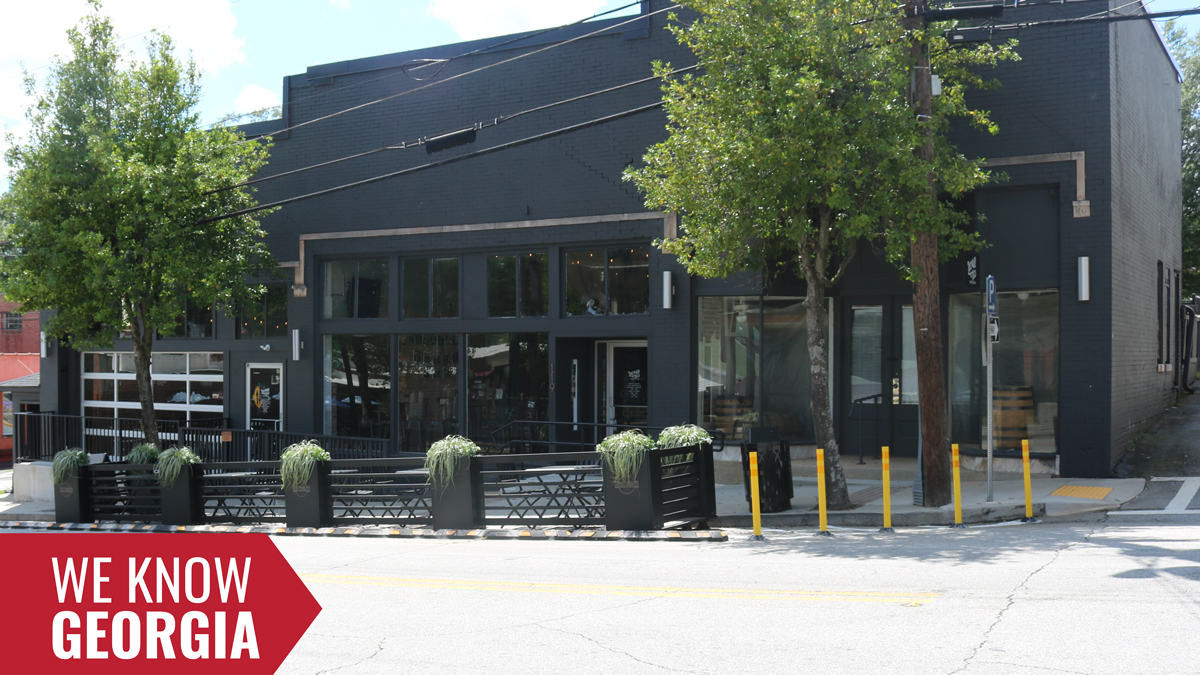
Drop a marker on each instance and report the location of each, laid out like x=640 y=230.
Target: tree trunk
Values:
x=927 y=303
x=143 y=342
x=817 y=321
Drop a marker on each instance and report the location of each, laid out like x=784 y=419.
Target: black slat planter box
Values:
x=72 y=503
x=310 y=504
x=457 y=506
x=631 y=505
x=775 y=488
x=183 y=501
x=708 y=480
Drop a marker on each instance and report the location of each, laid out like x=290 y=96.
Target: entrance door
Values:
x=264 y=396
x=879 y=377
x=622 y=383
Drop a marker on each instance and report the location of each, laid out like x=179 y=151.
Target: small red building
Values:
x=20 y=355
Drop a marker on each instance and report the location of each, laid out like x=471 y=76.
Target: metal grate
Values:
x=243 y=492
x=367 y=491
x=529 y=490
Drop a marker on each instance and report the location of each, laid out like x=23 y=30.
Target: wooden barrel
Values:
x=1012 y=413
x=726 y=409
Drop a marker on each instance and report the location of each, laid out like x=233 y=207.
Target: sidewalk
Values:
x=1008 y=502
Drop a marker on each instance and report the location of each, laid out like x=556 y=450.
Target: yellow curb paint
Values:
x=887 y=488
x=1082 y=491
x=674 y=535
x=588 y=534
x=393 y=532
x=524 y=533
x=957 y=486
x=615 y=534
x=473 y=533
x=821 y=489
x=246 y=528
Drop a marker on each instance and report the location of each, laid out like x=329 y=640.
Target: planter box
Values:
x=457 y=506
x=775 y=488
x=631 y=505
x=183 y=502
x=72 y=501
x=310 y=504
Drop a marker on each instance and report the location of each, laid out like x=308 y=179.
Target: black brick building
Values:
x=523 y=285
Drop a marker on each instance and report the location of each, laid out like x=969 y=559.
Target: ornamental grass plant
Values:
x=171 y=463
x=624 y=452
x=681 y=436
x=146 y=453
x=66 y=462
x=443 y=458
x=298 y=462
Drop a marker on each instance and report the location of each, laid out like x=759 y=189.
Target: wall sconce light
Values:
x=43 y=343
x=668 y=291
x=1085 y=280
x=295 y=344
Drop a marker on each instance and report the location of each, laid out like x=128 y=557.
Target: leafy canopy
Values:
x=798 y=136
x=110 y=190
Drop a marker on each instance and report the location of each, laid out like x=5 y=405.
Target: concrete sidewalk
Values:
x=1008 y=502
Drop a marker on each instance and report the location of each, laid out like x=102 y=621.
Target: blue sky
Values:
x=245 y=47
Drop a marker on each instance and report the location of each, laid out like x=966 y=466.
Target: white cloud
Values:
x=37 y=33
x=473 y=19
x=254 y=97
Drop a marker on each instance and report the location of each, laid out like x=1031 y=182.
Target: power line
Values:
x=450 y=160
x=475 y=127
x=463 y=74
x=980 y=33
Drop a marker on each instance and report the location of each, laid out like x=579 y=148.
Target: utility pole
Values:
x=927 y=302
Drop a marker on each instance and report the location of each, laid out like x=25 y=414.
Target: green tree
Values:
x=108 y=195
x=797 y=141
x=1187 y=53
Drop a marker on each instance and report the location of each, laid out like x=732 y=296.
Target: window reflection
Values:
x=356 y=289
x=608 y=281
x=427 y=387
x=509 y=380
x=358 y=385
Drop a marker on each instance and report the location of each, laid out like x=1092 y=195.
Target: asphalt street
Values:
x=1114 y=595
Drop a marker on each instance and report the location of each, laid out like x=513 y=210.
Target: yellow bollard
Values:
x=957 y=487
x=821 y=492
x=1028 y=486
x=754 y=498
x=887 y=491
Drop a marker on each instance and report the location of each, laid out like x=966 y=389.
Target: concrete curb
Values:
x=379 y=532
x=971 y=515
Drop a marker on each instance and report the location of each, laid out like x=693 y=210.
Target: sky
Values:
x=246 y=47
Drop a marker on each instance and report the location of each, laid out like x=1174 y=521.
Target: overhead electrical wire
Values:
x=459 y=75
x=424 y=139
x=449 y=160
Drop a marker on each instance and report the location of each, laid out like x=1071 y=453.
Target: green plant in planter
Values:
x=681 y=436
x=298 y=462
x=443 y=457
x=146 y=453
x=624 y=453
x=171 y=462
x=66 y=461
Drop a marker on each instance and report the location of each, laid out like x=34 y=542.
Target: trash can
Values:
x=774 y=468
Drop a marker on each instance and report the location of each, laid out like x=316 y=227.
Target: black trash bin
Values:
x=775 y=490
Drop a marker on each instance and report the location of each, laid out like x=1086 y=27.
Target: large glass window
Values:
x=358 y=385
x=518 y=285
x=427 y=386
x=187 y=386
x=356 y=289
x=509 y=375
x=739 y=362
x=608 y=281
x=1024 y=376
x=430 y=288
x=196 y=321
x=267 y=317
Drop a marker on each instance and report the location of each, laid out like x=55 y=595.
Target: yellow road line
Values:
x=595 y=589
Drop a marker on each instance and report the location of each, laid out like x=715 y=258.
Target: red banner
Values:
x=149 y=603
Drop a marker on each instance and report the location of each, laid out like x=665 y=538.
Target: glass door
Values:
x=622 y=383
x=879 y=401
x=264 y=396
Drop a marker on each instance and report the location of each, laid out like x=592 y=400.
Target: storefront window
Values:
x=608 y=281
x=1024 y=376
x=427 y=386
x=187 y=386
x=430 y=288
x=509 y=375
x=267 y=317
x=358 y=385
x=356 y=289
x=729 y=347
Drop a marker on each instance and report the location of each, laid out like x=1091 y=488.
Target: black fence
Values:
x=258 y=445
x=672 y=488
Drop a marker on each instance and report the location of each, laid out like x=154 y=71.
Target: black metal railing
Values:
x=530 y=490
x=534 y=436
x=242 y=492
x=380 y=491
x=37 y=436
x=256 y=445
x=123 y=492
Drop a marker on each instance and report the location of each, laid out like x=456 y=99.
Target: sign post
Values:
x=993 y=336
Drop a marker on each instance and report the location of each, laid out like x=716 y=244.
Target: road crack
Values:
x=614 y=650
x=377 y=652
x=1010 y=599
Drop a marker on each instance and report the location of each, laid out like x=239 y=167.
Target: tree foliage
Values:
x=1187 y=54
x=797 y=140
x=109 y=197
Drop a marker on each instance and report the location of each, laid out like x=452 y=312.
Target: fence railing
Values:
x=37 y=436
x=671 y=488
x=260 y=445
